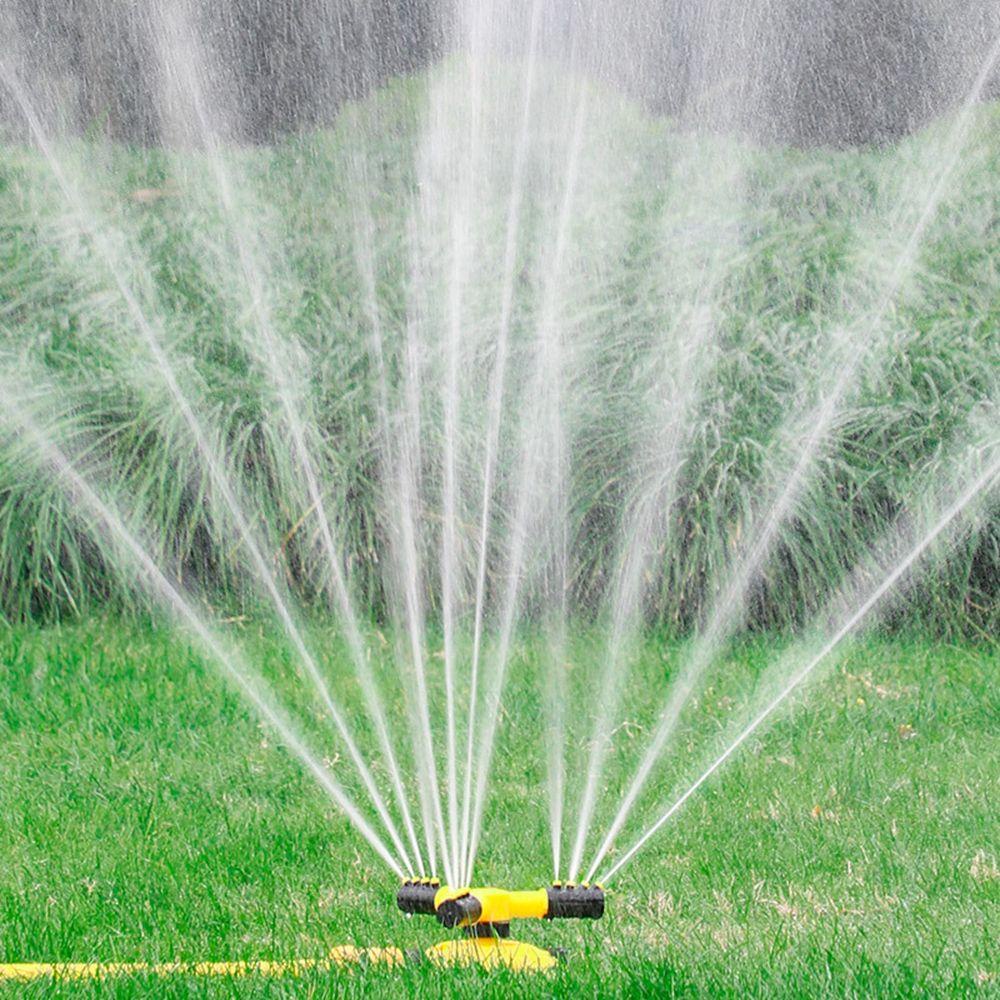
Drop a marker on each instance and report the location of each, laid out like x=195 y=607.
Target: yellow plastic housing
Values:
x=499 y=906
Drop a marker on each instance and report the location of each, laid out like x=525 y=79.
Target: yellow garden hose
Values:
x=340 y=957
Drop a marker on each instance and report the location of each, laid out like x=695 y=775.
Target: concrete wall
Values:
x=818 y=71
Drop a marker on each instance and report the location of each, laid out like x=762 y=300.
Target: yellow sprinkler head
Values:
x=491 y=906
x=485 y=914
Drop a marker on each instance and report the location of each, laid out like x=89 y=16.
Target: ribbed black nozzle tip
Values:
x=417 y=895
x=464 y=911
x=568 y=900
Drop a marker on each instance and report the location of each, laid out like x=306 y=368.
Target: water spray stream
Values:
x=544 y=392
x=391 y=458
x=213 y=465
x=980 y=485
x=557 y=586
x=363 y=238
x=815 y=426
x=494 y=417
x=460 y=255
x=717 y=193
x=176 y=38
x=407 y=483
x=648 y=527
x=178 y=605
x=399 y=449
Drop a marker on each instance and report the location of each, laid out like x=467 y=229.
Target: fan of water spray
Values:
x=548 y=301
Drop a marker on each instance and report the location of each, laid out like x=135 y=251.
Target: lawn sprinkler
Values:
x=485 y=914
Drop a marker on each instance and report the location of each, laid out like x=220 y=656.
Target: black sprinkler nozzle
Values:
x=578 y=902
x=416 y=896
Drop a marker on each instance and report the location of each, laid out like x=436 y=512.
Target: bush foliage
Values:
x=798 y=250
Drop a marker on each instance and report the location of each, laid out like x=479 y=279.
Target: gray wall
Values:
x=826 y=71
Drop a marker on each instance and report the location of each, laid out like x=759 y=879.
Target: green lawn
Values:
x=851 y=850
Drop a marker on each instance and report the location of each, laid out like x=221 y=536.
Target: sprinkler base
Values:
x=485 y=913
x=492 y=953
